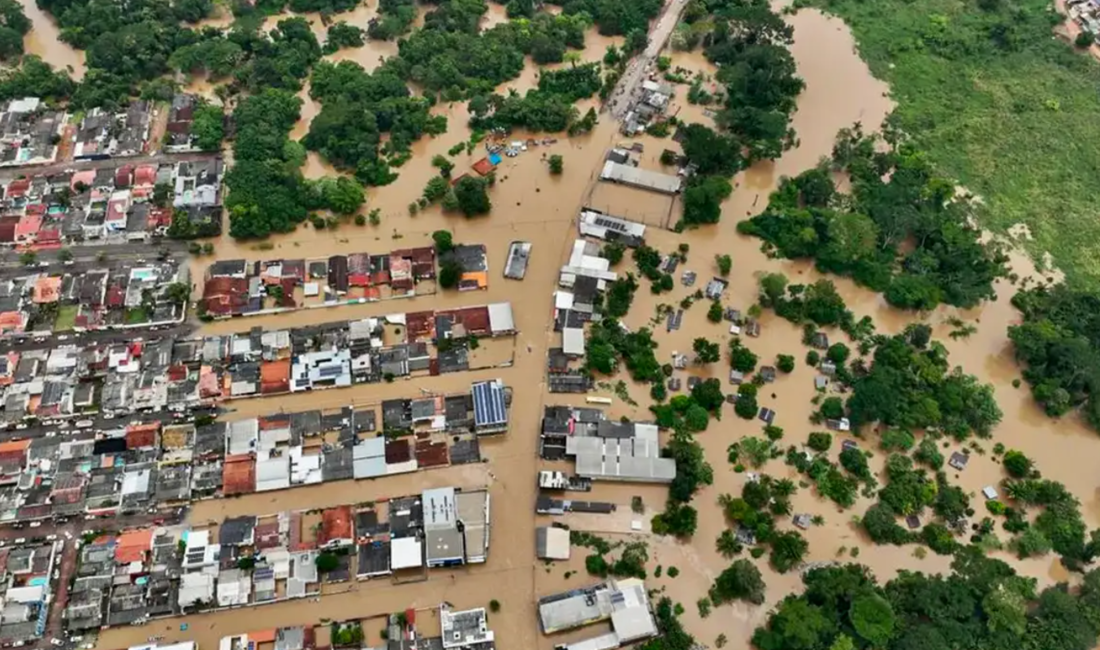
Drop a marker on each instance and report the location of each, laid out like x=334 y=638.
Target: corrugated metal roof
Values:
x=489 y=407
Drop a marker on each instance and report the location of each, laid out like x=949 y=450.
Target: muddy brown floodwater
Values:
x=530 y=204
x=44 y=41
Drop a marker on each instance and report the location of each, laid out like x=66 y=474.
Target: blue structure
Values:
x=490 y=410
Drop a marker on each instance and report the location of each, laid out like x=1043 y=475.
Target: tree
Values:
x=714 y=312
x=178 y=293
x=838 y=353
x=327 y=562
x=773 y=286
x=65 y=255
x=444 y=241
x=725 y=264
x=703 y=199
x=708 y=394
x=557 y=164
x=706 y=351
x=882 y=527
x=450 y=273
x=788 y=549
x=727 y=544
x=28 y=257
x=796 y=625
x=820 y=441
x=873 y=619
x=494 y=606
x=742 y=359
x=613 y=252
x=473 y=199
x=342 y=195
x=1017 y=464
x=739 y=581
x=208 y=127
x=444 y=165
x=785 y=363
x=696 y=418
x=1084 y=39
x=832 y=408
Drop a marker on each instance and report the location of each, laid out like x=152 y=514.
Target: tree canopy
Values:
x=896 y=198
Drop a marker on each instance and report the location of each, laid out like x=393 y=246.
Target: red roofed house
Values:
x=26 y=230
x=139 y=436
x=123 y=176
x=17 y=188
x=133 y=545
x=7 y=228
x=336 y=528
x=47 y=289
x=12 y=322
x=225 y=296
x=275 y=377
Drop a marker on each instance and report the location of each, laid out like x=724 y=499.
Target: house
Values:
x=198 y=183
x=29 y=132
x=181 y=115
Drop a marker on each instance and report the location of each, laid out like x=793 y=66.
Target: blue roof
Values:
x=489 y=409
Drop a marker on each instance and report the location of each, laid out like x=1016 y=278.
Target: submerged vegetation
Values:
x=1059 y=343
x=982 y=603
x=999 y=105
x=897 y=201
x=748 y=41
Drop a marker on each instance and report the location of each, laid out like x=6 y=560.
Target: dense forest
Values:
x=1059 y=344
x=898 y=203
x=983 y=603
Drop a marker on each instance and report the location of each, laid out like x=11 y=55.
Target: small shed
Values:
x=820 y=340
x=958 y=460
x=821 y=382
x=736 y=377
x=552 y=543
x=989 y=492
x=803 y=521
x=767 y=416
x=767 y=373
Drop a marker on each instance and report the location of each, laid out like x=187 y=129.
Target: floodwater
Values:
x=530 y=204
x=44 y=41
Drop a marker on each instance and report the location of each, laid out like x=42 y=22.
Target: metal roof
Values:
x=489 y=407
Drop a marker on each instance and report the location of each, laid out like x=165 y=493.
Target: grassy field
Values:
x=1001 y=105
x=66 y=318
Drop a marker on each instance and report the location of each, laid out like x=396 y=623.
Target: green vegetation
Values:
x=208 y=126
x=1000 y=105
x=547 y=108
x=914 y=388
x=761 y=501
x=341 y=35
x=14 y=25
x=982 y=603
x=896 y=198
x=1057 y=342
x=357 y=108
x=740 y=581
x=557 y=164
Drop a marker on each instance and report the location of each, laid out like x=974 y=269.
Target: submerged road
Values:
x=628 y=90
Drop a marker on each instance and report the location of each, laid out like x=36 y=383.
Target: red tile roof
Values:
x=335 y=525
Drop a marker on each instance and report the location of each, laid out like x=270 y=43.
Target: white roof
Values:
x=572 y=341
x=135 y=482
x=406 y=553
x=624 y=459
x=642 y=178
x=31 y=594
x=563 y=300
x=552 y=542
x=500 y=317
x=273 y=473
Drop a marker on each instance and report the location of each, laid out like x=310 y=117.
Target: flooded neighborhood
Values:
x=390 y=431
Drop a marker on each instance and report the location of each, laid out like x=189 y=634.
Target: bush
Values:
x=714 y=314
x=740 y=581
x=813 y=358
x=557 y=164
x=725 y=264
x=494 y=605
x=1017 y=464
x=785 y=363
x=820 y=441
x=1084 y=39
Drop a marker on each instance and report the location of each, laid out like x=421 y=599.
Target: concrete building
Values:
x=623 y=602
x=552 y=543
x=640 y=178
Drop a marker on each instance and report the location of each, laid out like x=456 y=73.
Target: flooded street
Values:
x=532 y=205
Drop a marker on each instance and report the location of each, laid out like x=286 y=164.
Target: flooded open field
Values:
x=529 y=204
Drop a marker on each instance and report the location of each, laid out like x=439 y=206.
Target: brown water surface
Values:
x=44 y=41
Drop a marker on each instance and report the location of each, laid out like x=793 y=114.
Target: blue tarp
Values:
x=494 y=158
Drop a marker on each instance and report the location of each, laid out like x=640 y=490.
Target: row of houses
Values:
x=122 y=296
x=241 y=287
x=130 y=202
x=148 y=466
x=104 y=379
x=32 y=132
x=131 y=577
